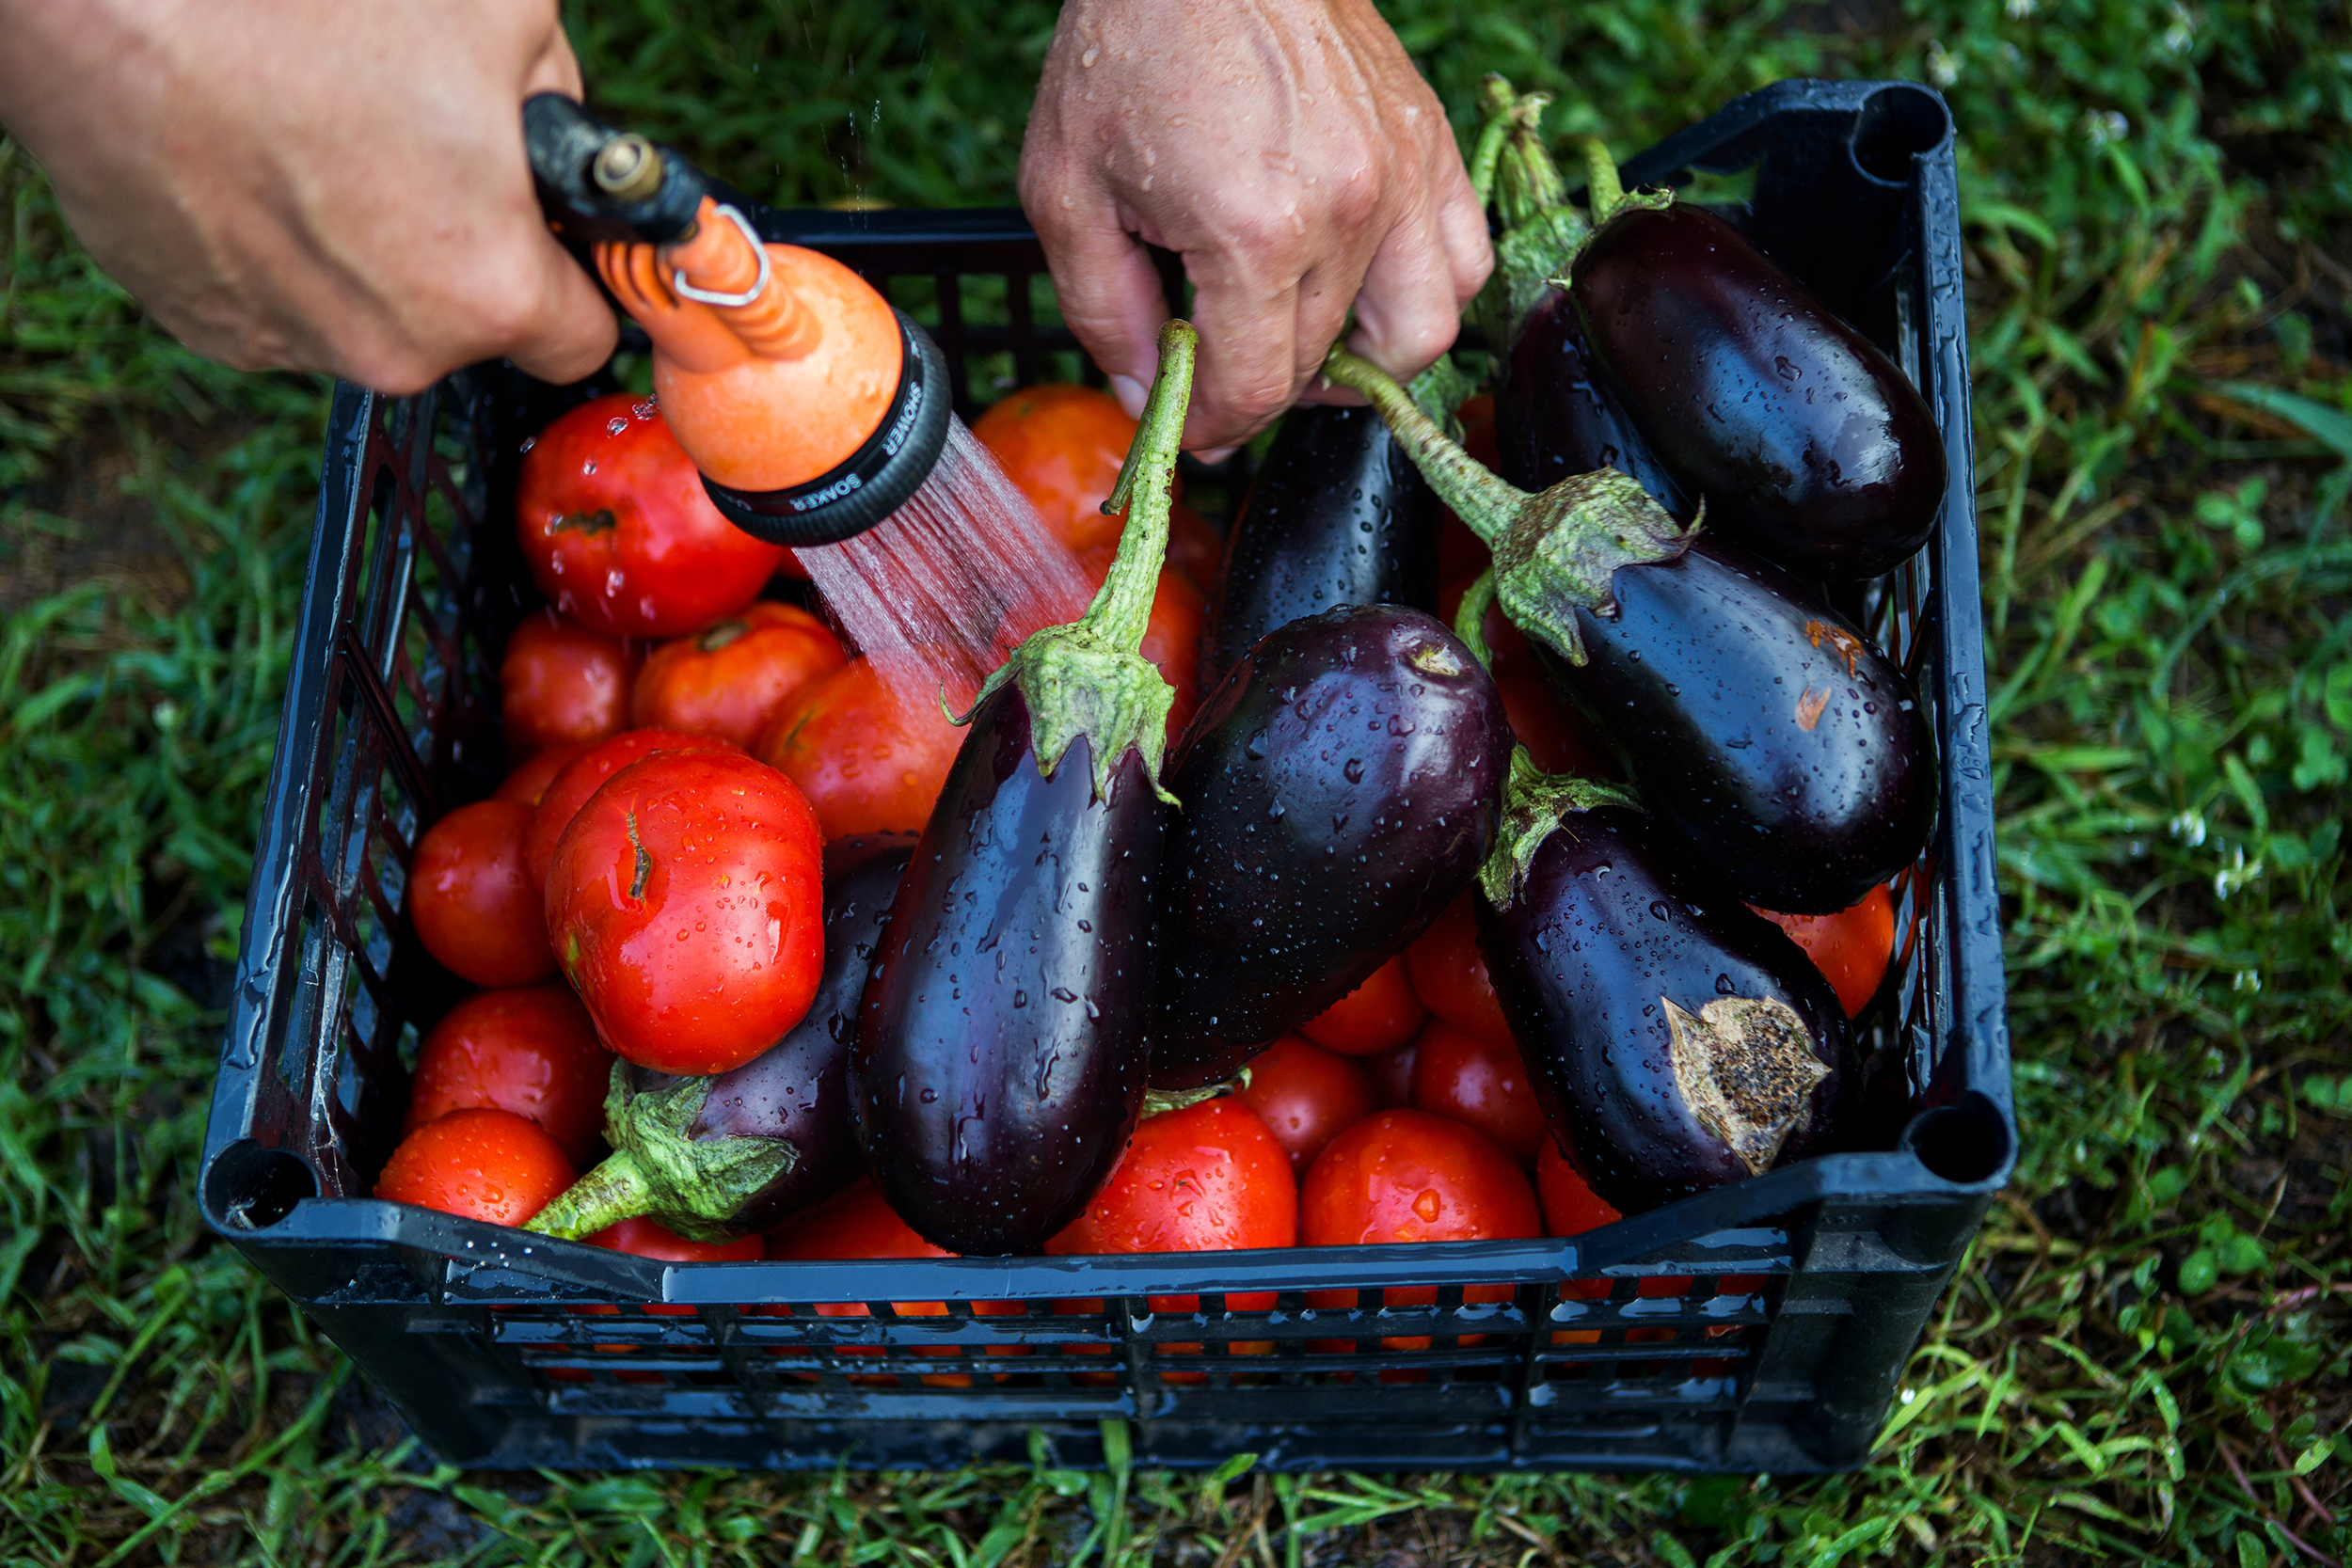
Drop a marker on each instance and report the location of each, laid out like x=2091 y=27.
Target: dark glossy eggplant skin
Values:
x=1761 y=727
x=1339 y=789
x=1338 y=515
x=1553 y=417
x=797 y=1089
x=999 y=1063
x=1805 y=442
x=1611 y=925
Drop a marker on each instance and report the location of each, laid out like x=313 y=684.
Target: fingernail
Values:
x=1219 y=455
x=1130 y=393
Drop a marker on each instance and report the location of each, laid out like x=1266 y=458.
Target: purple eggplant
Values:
x=1553 y=417
x=1782 y=746
x=1339 y=789
x=1337 y=514
x=1760 y=726
x=1679 y=354
x=731 y=1154
x=1001 y=1047
x=1806 y=442
x=1677 y=1040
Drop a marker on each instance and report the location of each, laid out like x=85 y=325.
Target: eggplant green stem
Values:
x=1604 y=193
x=1554 y=553
x=1122 y=609
x=694 y=1185
x=1477 y=496
x=1470 y=621
x=1087 y=677
x=1535 y=803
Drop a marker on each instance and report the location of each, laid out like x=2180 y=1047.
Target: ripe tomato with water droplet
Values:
x=472 y=899
x=480 y=1163
x=561 y=684
x=686 y=906
x=1409 y=1176
x=870 y=760
x=1210 y=1177
x=619 y=533
x=1307 y=1095
x=731 y=678
x=531 y=1050
x=584 y=775
x=1480 y=1082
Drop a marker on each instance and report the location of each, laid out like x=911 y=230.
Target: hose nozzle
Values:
x=813 y=409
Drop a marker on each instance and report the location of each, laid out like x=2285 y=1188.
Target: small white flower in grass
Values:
x=2247 y=979
x=2182 y=32
x=1942 y=69
x=2235 y=875
x=2103 y=127
x=2189 y=827
x=2020 y=10
x=1910 y=1394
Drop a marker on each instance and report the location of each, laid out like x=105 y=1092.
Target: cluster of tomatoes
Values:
x=646 y=882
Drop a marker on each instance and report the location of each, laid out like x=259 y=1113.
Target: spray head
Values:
x=812 y=407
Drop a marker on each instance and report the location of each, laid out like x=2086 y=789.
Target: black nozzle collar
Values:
x=877 y=478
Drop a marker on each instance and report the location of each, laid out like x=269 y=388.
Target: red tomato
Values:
x=619 y=532
x=1171 y=638
x=1209 y=1178
x=530 y=780
x=1195 y=548
x=584 y=775
x=484 y=1164
x=1851 y=948
x=1379 y=1014
x=1062 y=447
x=868 y=761
x=1391 y=1074
x=533 y=1051
x=1408 y=1175
x=472 y=898
x=1571 y=1206
x=730 y=679
x=1482 y=1084
x=561 y=683
x=858 y=1223
x=685 y=902
x=1450 y=974
x=1306 y=1095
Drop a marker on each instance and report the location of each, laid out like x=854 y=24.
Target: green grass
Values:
x=2146 y=1354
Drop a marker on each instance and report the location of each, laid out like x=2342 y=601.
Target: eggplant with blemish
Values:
x=1001 y=1047
x=1337 y=514
x=1760 y=726
x=1806 y=441
x=1677 y=1040
x=1779 y=744
x=733 y=1153
x=1340 y=788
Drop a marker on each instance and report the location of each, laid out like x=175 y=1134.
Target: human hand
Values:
x=309 y=184
x=1288 y=150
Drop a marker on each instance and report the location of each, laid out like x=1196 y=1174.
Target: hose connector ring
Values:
x=712 y=296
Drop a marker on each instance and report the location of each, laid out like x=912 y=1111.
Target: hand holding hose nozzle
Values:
x=813 y=409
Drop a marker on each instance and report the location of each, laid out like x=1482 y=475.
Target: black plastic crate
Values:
x=1756 y=1328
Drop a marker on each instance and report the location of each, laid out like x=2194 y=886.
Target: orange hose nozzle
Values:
x=767 y=384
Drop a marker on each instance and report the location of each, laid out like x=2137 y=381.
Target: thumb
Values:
x=567 y=330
